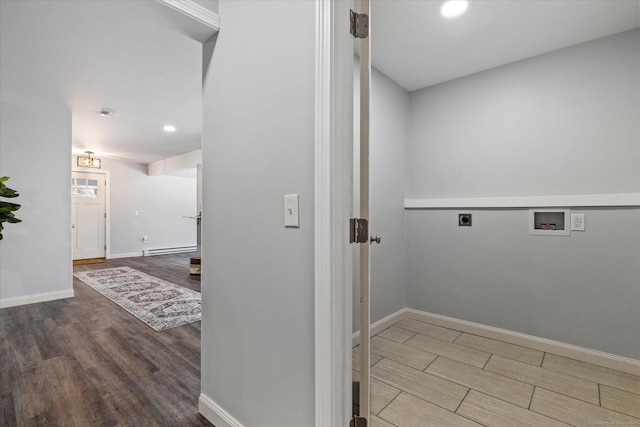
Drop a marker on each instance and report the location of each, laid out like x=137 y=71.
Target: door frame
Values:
x=107 y=207
x=333 y=142
x=332 y=208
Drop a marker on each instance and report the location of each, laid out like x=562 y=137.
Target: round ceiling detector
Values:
x=454 y=8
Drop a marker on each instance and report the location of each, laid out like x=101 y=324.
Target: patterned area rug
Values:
x=159 y=304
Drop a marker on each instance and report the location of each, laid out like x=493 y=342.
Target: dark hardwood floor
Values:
x=85 y=361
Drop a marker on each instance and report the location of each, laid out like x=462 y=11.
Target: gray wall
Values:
x=581 y=290
x=560 y=123
x=35 y=255
x=566 y=122
x=388 y=160
x=162 y=202
x=258 y=276
x=35 y=143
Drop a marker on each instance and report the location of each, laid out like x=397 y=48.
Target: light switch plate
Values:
x=291 y=217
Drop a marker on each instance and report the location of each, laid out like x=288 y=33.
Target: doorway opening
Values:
x=454 y=298
x=89 y=219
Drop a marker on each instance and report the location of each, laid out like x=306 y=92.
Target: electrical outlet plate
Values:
x=577 y=222
x=464 y=220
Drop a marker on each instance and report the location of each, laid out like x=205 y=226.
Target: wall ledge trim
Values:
x=36 y=298
x=596 y=357
x=215 y=414
x=577 y=200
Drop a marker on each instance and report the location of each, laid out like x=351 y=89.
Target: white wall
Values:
x=162 y=202
x=176 y=164
x=566 y=122
x=35 y=255
x=258 y=276
x=388 y=180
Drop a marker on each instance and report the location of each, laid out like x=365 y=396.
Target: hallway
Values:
x=85 y=361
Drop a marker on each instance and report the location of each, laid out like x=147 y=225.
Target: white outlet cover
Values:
x=578 y=222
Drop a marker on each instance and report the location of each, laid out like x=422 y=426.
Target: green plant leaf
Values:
x=6 y=208
x=6 y=191
x=9 y=206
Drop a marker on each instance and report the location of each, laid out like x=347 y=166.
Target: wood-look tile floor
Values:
x=425 y=375
x=85 y=361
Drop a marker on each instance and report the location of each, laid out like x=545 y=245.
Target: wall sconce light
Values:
x=89 y=162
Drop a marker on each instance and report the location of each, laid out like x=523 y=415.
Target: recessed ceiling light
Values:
x=169 y=128
x=454 y=8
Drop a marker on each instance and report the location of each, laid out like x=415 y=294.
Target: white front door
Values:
x=88 y=213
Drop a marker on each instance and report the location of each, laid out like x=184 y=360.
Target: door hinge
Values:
x=358 y=230
x=357 y=421
x=359 y=25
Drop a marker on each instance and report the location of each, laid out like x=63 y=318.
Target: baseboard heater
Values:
x=167 y=251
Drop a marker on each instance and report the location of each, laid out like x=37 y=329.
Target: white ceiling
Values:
x=414 y=46
x=106 y=54
x=100 y=54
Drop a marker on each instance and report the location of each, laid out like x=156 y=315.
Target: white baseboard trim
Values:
x=595 y=357
x=125 y=255
x=32 y=299
x=215 y=414
x=381 y=325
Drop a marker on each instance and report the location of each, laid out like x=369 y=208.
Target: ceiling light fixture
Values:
x=89 y=162
x=169 y=128
x=454 y=8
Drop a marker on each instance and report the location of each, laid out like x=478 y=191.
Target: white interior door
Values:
x=364 y=241
x=88 y=215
